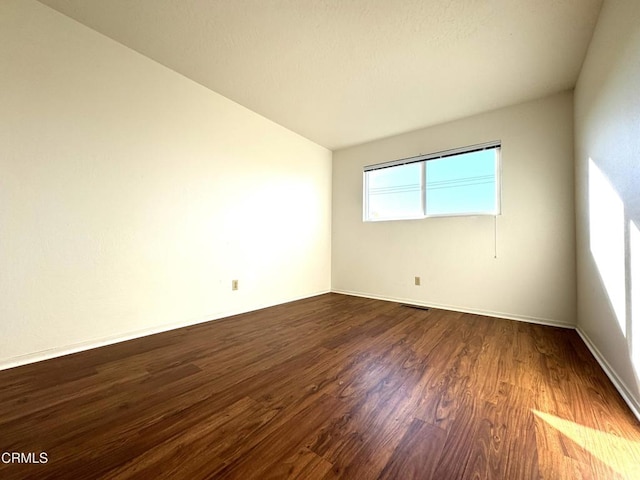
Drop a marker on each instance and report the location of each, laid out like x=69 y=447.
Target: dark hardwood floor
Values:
x=324 y=388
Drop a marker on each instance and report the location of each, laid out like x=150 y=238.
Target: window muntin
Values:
x=463 y=181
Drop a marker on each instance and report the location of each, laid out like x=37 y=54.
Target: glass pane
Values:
x=462 y=184
x=395 y=192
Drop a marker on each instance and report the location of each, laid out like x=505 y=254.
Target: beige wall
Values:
x=533 y=276
x=131 y=196
x=607 y=118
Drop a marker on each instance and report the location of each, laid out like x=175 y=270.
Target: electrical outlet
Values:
x=416 y=281
x=234 y=284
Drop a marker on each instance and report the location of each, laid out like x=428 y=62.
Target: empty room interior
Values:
x=264 y=239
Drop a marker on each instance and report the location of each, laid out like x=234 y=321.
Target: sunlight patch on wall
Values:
x=606 y=239
x=634 y=245
x=618 y=453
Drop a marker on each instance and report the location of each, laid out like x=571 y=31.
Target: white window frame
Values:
x=494 y=145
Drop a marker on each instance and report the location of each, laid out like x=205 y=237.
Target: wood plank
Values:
x=328 y=387
x=417 y=454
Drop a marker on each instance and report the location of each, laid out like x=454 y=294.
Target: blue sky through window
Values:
x=462 y=184
x=395 y=192
x=458 y=184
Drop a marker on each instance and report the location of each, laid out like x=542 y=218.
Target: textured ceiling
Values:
x=343 y=72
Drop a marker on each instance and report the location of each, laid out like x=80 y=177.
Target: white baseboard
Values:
x=622 y=388
x=456 y=308
x=101 y=342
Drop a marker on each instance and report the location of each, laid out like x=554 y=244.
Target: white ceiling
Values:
x=343 y=72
